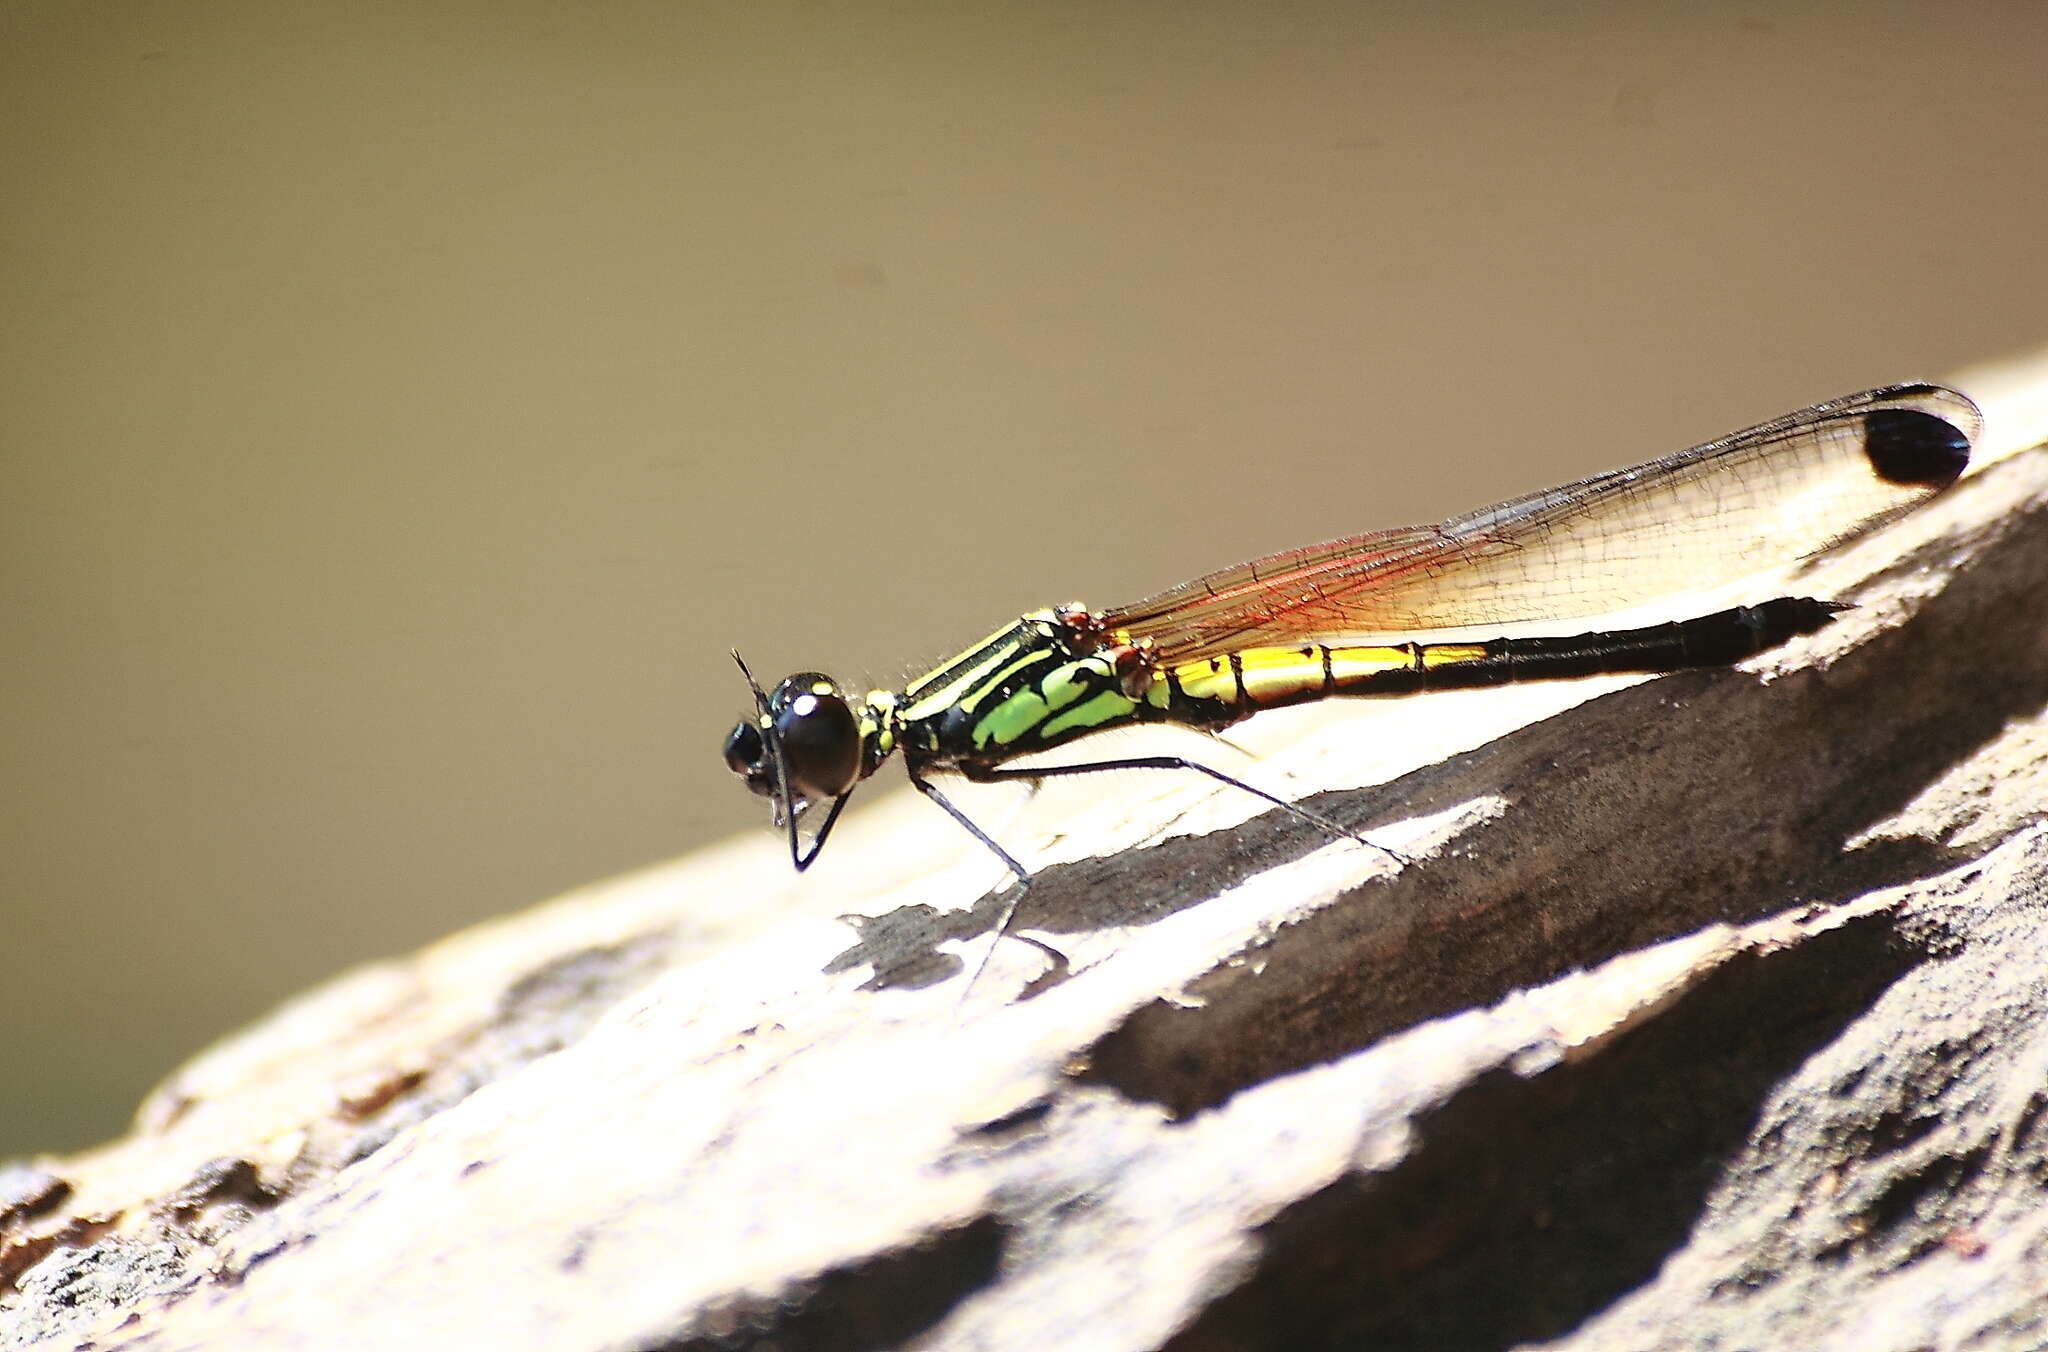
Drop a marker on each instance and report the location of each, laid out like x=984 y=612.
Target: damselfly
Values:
x=1287 y=629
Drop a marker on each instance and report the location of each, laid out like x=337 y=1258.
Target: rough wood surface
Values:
x=1709 y=1011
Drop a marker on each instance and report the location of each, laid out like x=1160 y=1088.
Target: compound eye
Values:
x=746 y=753
x=820 y=736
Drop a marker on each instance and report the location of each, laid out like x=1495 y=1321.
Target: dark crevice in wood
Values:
x=880 y=1302
x=27 y=1192
x=1531 y=1204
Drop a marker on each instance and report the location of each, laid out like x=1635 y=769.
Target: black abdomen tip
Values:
x=1907 y=446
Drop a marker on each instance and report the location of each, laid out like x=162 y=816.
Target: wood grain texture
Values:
x=1707 y=1010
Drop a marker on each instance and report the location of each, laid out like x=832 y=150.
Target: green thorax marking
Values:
x=1027 y=687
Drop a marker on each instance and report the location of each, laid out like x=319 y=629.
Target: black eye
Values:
x=746 y=751
x=820 y=736
x=744 y=748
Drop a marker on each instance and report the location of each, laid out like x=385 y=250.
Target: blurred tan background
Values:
x=403 y=406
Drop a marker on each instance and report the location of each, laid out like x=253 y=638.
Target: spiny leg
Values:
x=1023 y=884
x=1032 y=775
x=993 y=774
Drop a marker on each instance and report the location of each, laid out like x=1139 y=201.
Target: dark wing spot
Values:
x=1907 y=446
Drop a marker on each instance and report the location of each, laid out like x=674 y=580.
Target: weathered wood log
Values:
x=1704 y=1010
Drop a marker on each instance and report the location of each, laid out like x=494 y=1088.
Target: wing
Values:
x=1706 y=516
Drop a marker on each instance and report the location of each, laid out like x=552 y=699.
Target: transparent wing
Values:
x=1766 y=497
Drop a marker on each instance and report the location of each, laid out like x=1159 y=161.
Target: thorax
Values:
x=1031 y=685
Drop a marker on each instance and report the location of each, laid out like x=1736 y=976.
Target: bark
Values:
x=1705 y=1011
